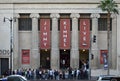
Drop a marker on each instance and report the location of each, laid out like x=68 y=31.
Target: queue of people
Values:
x=49 y=74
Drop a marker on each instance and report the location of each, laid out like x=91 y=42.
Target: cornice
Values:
x=53 y=1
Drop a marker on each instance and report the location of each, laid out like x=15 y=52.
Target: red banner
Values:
x=84 y=33
x=103 y=53
x=25 y=56
x=45 y=33
x=64 y=33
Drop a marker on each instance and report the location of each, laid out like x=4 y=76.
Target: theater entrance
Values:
x=64 y=59
x=84 y=57
x=45 y=59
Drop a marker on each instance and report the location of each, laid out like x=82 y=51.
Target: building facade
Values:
x=57 y=35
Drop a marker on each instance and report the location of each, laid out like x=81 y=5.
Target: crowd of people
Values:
x=49 y=74
x=41 y=73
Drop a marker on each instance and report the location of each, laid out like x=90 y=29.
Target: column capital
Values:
x=113 y=15
x=54 y=15
x=16 y=15
x=75 y=15
x=95 y=15
x=34 y=15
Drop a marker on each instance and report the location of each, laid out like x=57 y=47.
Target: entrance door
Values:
x=64 y=59
x=84 y=57
x=45 y=59
x=4 y=65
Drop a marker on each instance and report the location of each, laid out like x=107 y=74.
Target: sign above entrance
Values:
x=44 y=33
x=64 y=33
x=84 y=33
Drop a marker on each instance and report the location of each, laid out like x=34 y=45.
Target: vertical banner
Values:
x=84 y=33
x=44 y=33
x=104 y=58
x=64 y=33
x=25 y=56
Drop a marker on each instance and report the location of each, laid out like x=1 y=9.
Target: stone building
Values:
x=57 y=34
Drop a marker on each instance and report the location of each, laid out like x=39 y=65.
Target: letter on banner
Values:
x=64 y=33
x=84 y=33
x=44 y=33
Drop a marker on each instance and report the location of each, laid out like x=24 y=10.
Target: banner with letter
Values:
x=84 y=33
x=25 y=56
x=64 y=33
x=44 y=33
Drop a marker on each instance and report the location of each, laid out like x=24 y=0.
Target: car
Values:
x=14 y=78
x=108 y=78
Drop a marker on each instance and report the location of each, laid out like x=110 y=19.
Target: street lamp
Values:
x=11 y=41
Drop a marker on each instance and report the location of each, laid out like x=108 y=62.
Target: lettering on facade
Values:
x=84 y=33
x=65 y=33
x=4 y=52
x=45 y=33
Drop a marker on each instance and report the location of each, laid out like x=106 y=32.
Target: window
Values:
x=102 y=23
x=25 y=23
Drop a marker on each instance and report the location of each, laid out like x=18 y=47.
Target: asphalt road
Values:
x=62 y=80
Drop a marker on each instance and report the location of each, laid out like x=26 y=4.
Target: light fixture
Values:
x=83 y=50
x=45 y=49
x=64 y=50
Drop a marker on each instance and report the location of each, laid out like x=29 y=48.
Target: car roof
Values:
x=109 y=76
x=17 y=76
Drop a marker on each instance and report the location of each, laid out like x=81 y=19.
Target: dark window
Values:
x=106 y=78
x=102 y=24
x=13 y=79
x=25 y=24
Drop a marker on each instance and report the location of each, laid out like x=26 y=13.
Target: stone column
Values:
x=74 y=57
x=16 y=55
x=94 y=45
x=35 y=56
x=118 y=44
x=55 y=42
x=113 y=48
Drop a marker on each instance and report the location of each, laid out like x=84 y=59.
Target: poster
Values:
x=104 y=58
x=25 y=56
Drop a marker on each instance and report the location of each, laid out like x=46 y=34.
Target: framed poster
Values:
x=25 y=56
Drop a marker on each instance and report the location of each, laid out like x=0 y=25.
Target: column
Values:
x=94 y=45
x=35 y=56
x=16 y=55
x=74 y=57
x=118 y=43
x=55 y=42
x=113 y=48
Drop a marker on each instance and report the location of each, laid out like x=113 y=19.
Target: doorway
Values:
x=84 y=57
x=64 y=59
x=4 y=63
x=45 y=59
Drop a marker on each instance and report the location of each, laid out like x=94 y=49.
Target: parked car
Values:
x=108 y=78
x=14 y=78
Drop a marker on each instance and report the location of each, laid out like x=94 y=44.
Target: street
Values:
x=63 y=80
